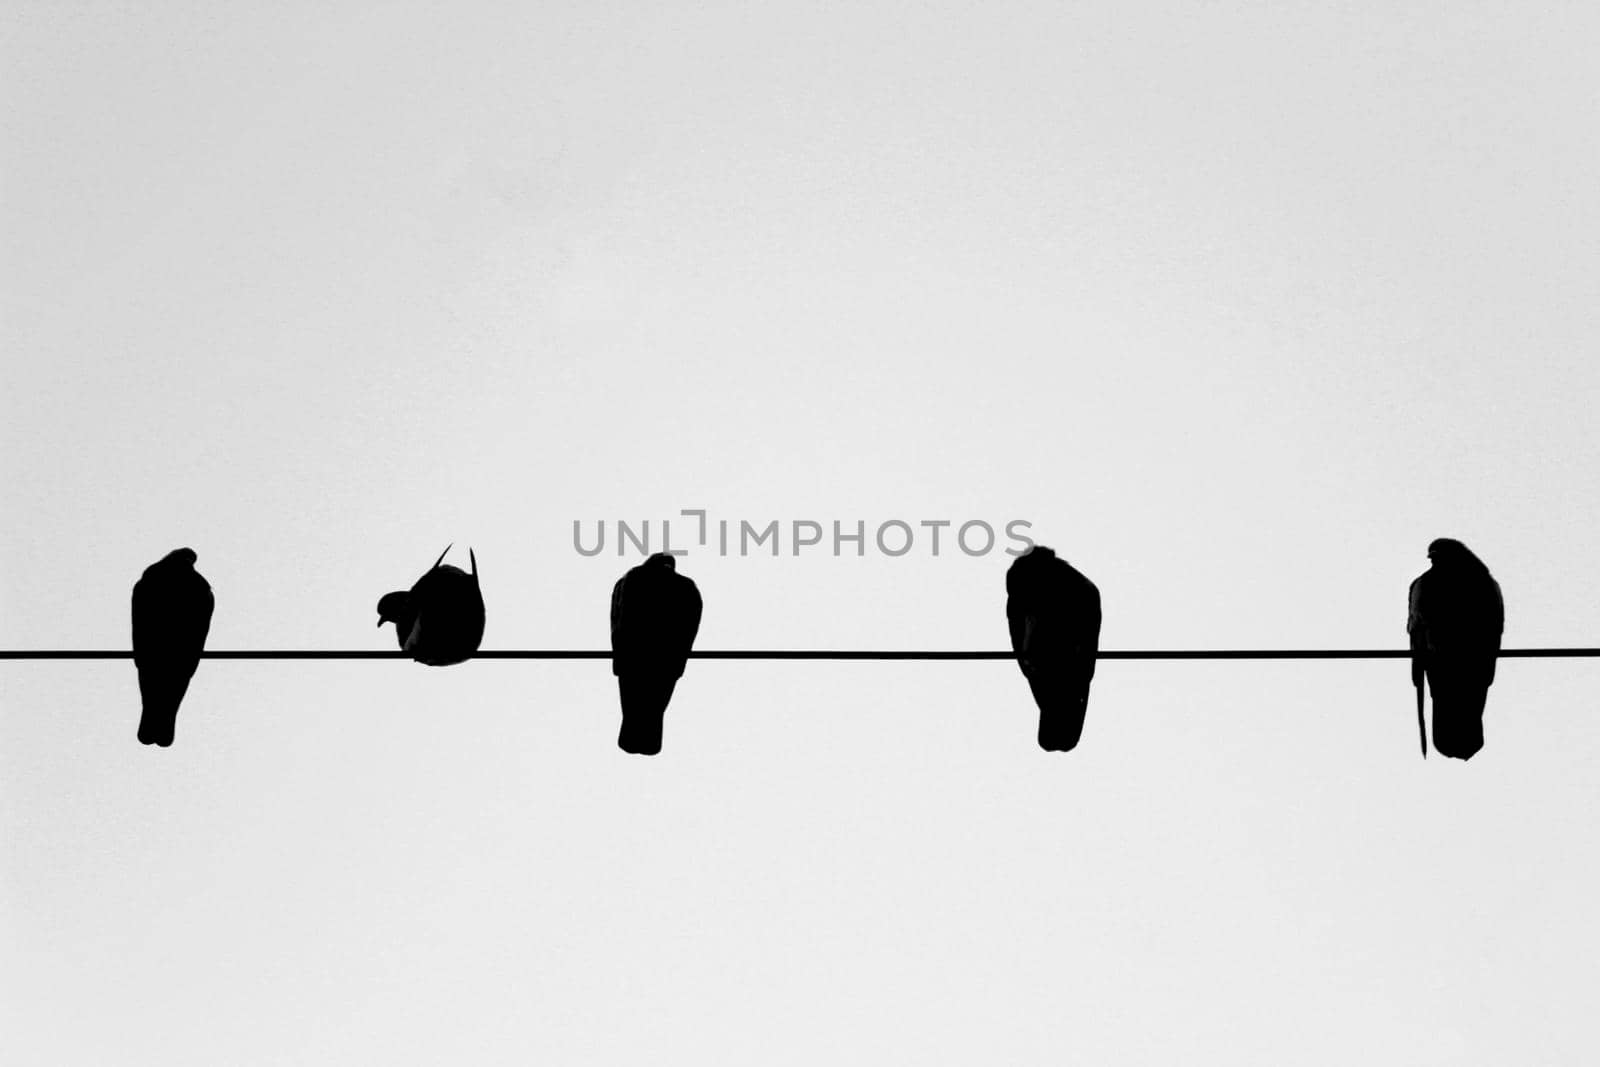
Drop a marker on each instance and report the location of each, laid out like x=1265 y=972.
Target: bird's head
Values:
x=1034 y=556
x=185 y=557
x=1448 y=550
x=1029 y=568
x=662 y=559
x=392 y=607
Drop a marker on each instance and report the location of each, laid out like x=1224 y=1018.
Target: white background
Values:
x=1239 y=304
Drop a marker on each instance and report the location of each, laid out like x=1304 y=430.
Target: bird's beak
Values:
x=381 y=620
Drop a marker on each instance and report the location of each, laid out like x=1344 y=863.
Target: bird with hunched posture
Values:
x=1053 y=613
x=1455 y=617
x=439 y=621
x=655 y=614
x=172 y=607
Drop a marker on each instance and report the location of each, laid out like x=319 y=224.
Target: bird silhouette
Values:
x=172 y=607
x=439 y=621
x=1054 y=616
x=1455 y=618
x=655 y=614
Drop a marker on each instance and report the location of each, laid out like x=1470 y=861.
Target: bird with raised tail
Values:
x=439 y=621
x=655 y=614
x=1053 y=613
x=172 y=606
x=1455 y=618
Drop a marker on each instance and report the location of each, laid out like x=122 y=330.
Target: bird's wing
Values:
x=692 y=607
x=617 y=610
x=1416 y=619
x=202 y=603
x=1416 y=629
x=146 y=623
x=697 y=607
x=1016 y=623
x=1036 y=646
x=1099 y=615
x=1089 y=625
x=1496 y=625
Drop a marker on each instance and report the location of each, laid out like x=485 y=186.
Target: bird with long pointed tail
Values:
x=1053 y=612
x=439 y=621
x=1455 y=618
x=655 y=614
x=172 y=607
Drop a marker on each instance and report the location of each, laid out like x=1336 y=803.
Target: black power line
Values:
x=809 y=653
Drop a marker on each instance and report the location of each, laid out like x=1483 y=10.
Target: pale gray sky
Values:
x=1238 y=304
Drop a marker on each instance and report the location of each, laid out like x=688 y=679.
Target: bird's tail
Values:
x=161 y=693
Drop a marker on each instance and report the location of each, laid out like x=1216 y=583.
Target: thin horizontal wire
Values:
x=807 y=653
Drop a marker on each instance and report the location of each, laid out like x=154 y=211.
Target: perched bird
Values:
x=655 y=613
x=1455 y=619
x=1054 y=616
x=440 y=621
x=172 y=608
